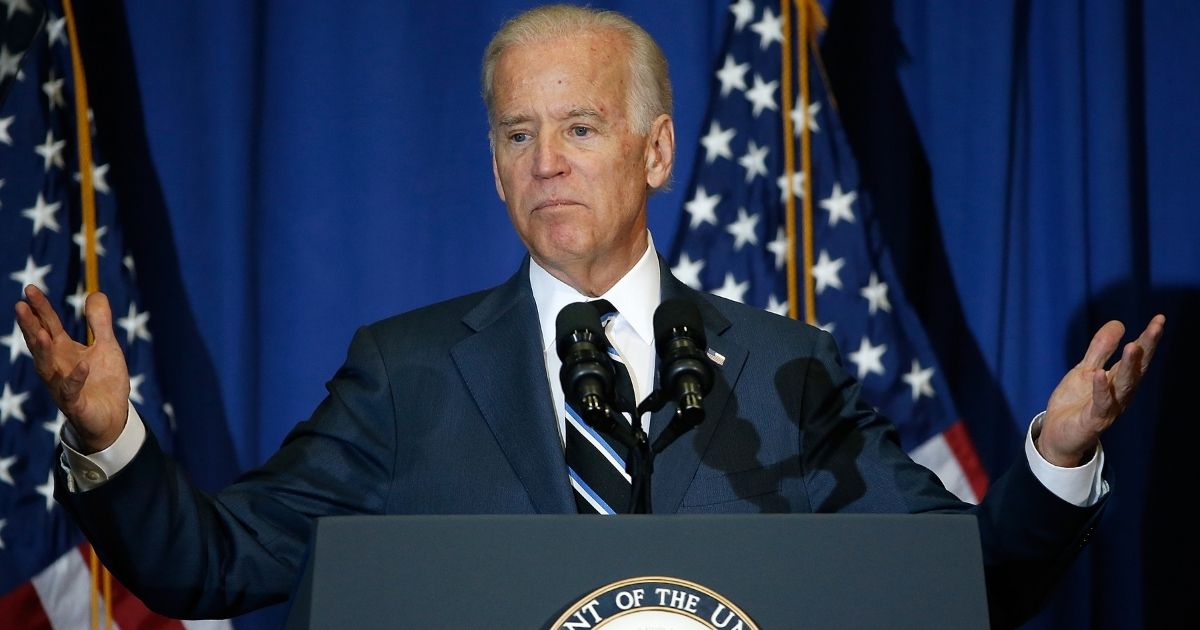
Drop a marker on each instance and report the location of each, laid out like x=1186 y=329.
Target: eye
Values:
x=519 y=137
x=579 y=131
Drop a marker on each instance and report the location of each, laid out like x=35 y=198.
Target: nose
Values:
x=549 y=161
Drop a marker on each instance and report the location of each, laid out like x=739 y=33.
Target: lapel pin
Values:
x=716 y=357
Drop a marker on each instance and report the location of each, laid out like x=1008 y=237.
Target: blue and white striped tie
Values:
x=595 y=463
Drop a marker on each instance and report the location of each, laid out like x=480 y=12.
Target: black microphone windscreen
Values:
x=574 y=317
x=677 y=313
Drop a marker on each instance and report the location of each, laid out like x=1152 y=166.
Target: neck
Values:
x=593 y=277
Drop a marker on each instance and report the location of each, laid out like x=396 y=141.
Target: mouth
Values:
x=555 y=202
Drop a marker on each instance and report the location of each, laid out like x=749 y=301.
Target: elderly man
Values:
x=420 y=420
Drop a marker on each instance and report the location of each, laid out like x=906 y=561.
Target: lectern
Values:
x=778 y=571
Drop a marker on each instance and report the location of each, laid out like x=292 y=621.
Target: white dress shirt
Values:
x=635 y=296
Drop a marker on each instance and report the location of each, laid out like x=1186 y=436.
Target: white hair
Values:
x=650 y=86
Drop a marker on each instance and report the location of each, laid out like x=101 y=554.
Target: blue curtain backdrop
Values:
x=291 y=170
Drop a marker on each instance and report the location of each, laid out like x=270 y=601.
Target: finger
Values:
x=28 y=322
x=99 y=317
x=1150 y=337
x=42 y=349
x=1103 y=403
x=72 y=385
x=44 y=311
x=37 y=338
x=1103 y=344
x=1128 y=371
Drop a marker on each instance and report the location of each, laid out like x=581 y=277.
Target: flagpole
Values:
x=789 y=155
x=83 y=134
x=794 y=267
x=805 y=34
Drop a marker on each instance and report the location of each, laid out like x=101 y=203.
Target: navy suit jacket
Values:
x=447 y=410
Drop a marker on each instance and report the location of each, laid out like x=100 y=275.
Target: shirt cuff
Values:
x=87 y=472
x=1082 y=485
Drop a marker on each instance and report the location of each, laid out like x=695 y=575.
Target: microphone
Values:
x=587 y=374
x=684 y=372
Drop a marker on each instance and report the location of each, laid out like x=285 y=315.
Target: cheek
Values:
x=628 y=184
x=509 y=163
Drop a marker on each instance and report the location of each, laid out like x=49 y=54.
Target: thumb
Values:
x=99 y=317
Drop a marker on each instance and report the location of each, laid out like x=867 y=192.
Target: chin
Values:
x=565 y=240
x=562 y=255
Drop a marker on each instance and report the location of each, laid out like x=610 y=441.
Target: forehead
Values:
x=588 y=69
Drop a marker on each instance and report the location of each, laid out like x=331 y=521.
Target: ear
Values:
x=660 y=152
x=496 y=176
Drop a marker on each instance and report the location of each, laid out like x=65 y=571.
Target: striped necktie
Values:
x=596 y=463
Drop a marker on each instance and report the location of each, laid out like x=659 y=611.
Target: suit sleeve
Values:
x=188 y=554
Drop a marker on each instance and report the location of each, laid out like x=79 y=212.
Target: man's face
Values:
x=567 y=162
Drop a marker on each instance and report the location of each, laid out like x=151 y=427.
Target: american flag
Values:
x=45 y=579
x=732 y=239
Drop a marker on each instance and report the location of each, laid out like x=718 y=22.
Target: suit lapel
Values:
x=503 y=368
x=676 y=466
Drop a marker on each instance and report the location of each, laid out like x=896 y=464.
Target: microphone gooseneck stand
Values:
x=640 y=464
x=684 y=378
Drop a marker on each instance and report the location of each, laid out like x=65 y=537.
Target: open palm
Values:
x=1089 y=398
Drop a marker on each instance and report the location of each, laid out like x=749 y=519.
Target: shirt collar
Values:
x=636 y=295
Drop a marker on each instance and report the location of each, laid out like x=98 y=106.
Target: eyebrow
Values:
x=513 y=121
x=578 y=112
x=584 y=112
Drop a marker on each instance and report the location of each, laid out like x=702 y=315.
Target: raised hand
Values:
x=90 y=384
x=1089 y=398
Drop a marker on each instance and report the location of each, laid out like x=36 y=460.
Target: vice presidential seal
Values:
x=653 y=603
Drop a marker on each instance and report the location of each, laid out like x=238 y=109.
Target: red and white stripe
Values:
x=60 y=598
x=952 y=457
